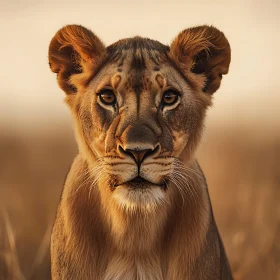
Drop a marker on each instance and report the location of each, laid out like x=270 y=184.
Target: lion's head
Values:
x=138 y=105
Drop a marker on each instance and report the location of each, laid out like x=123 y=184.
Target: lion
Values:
x=135 y=203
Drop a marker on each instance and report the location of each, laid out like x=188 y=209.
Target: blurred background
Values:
x=239 y=153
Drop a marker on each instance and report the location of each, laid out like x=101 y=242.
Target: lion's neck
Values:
x=136 y=231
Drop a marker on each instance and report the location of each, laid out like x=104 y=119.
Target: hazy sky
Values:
x=28 y=89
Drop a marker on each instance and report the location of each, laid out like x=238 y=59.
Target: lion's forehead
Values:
x=138 y=71
x=138 y=47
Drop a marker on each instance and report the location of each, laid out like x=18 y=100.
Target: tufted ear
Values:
x=202 y=51
x=74 y=54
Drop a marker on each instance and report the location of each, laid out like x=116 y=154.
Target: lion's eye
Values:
x=107 y=97
x=169 y=97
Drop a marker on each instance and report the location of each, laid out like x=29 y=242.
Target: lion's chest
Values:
x=127 y=268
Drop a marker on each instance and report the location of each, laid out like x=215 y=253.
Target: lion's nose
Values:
x=139 y=155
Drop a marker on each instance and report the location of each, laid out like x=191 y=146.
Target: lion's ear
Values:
x=203 y=51
x=74 y=54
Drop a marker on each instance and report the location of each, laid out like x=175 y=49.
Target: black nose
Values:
x=139 y=155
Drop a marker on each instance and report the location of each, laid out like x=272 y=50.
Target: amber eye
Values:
x=169 y=97
x=107 y=97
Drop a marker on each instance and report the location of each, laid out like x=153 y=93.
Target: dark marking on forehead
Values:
x=121 y=60
x=137 y=70
x=138 y=60
x=155 y=57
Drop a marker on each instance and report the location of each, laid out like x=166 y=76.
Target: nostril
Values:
x=121 y=149
x=126 y=152
x=156 y=149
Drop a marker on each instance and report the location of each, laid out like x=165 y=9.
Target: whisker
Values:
x=181 y=176
x=179 y=163
x=172 y=179
x=88 y=176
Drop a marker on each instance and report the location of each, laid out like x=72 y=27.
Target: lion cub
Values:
x=135 y=203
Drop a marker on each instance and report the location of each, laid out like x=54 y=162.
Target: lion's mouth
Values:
x=139 y=182
x=139 y=179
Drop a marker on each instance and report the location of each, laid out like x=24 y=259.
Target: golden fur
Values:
x=108 y=225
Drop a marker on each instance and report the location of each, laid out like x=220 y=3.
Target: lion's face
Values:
x=137 y=120
x=138 y=114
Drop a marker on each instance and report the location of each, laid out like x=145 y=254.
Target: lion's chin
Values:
x=134 y=196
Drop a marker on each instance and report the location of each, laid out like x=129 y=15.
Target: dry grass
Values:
x=244 y=180
x=243 y=176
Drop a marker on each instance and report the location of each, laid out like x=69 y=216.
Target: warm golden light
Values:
x=240 y=152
